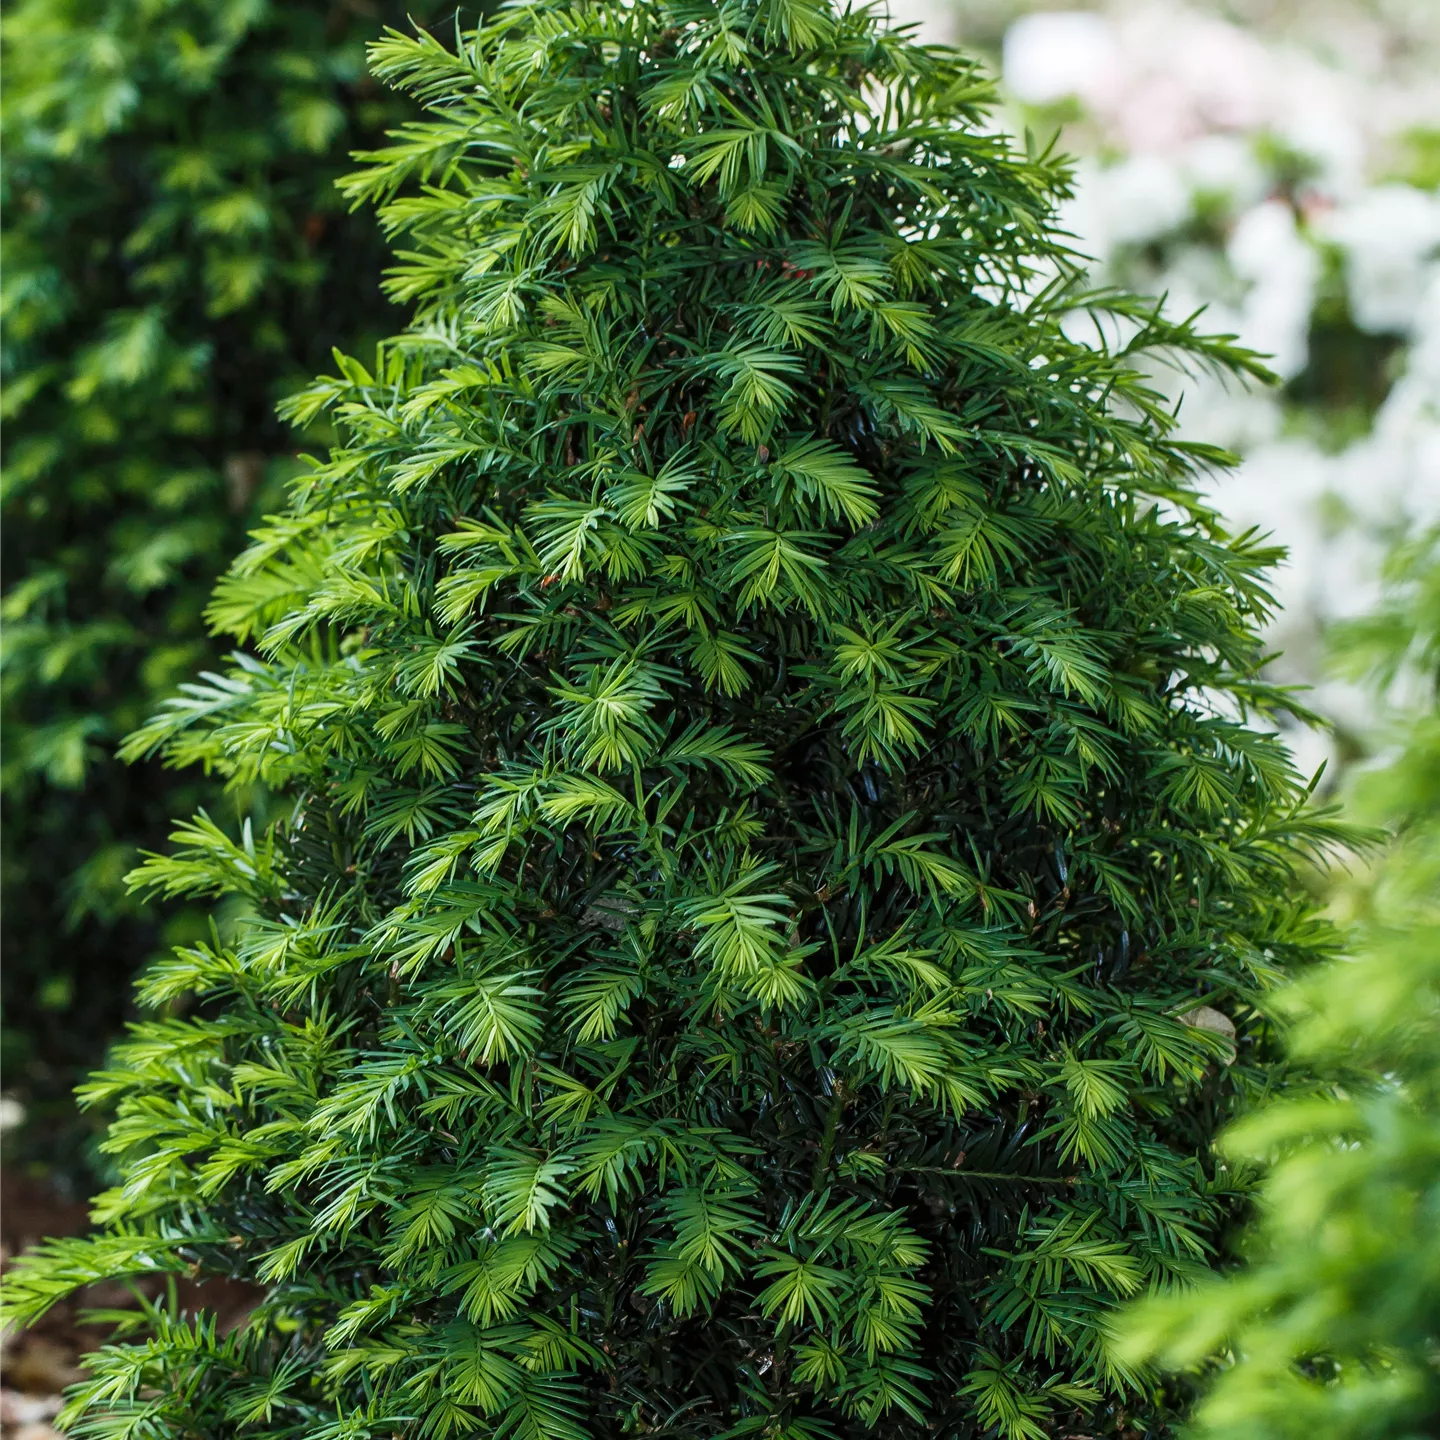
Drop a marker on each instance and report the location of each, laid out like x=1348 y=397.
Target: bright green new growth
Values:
x=176 y=258
x=763 y=720
x=1332 y=1330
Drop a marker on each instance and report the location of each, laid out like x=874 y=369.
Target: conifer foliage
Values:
x=763 y=719
x=1333 y=1327
x=176 y=258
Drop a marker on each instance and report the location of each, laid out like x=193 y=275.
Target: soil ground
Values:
x=37 y=1364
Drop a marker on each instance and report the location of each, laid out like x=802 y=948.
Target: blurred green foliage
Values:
x=1418 y=162
x=1348 y=370
x=176 y=257
x=1333 y=1329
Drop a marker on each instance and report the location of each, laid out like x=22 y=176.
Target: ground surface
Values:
x=37 y=1364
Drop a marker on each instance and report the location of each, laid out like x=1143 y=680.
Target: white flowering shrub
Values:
x=1279 y=170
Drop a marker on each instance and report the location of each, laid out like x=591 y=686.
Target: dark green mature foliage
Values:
x=176 y=257
x=762 y=718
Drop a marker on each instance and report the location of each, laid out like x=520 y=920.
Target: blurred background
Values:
x=1278 y=163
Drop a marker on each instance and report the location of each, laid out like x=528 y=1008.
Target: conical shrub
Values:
x=176 y=259
x=777 y=865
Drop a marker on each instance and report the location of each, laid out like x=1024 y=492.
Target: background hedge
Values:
x=176 y=259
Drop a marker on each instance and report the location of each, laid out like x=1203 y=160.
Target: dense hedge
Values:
x=775 y=865
x=176 y=258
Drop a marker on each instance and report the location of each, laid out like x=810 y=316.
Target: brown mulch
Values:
x=36 y=1364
